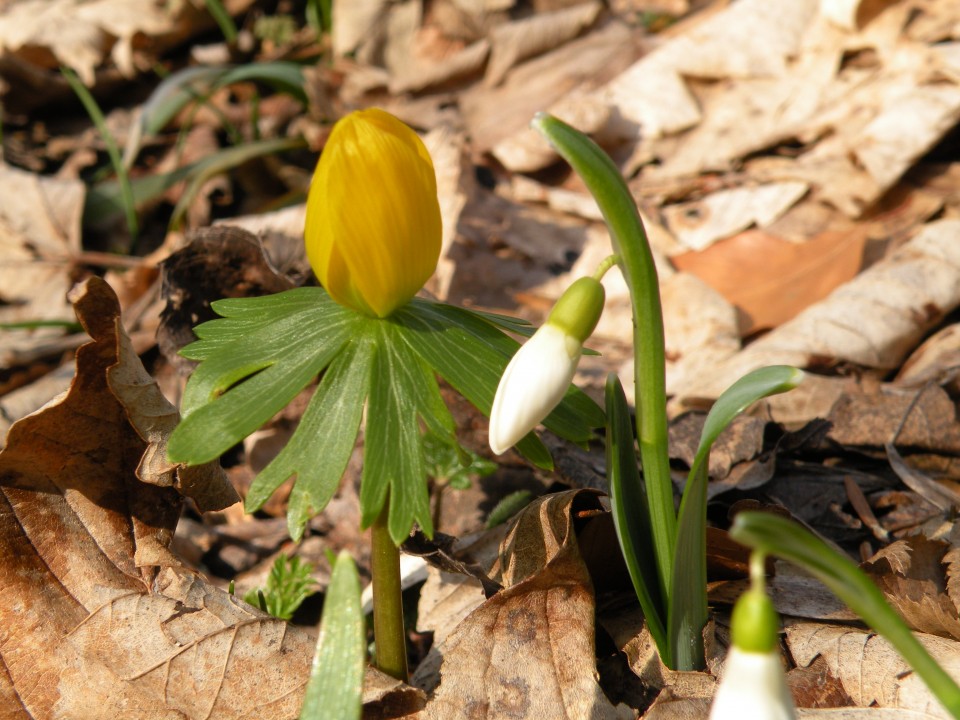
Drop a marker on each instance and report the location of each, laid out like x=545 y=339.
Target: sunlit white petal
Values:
x=752 y=686
x=533 y=384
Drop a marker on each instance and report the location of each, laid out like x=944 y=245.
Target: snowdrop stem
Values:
x=608 y=262
x=758 y=570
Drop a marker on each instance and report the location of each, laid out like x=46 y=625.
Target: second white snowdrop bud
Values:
x=753 y=684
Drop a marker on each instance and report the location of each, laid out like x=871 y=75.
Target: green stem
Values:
x=619 y=209
x=388 y=631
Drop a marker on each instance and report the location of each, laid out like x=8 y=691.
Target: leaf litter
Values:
x=816 y=138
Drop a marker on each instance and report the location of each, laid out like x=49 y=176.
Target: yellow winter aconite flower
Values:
x=373 y=220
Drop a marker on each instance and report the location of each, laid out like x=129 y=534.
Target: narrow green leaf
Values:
x=123 y=179
x=688 y=590
x=321 y=446
x=631 y=514
x=393 y=454
x=779 y=536
x=335 y=689
x=222 y=16
x=278 y=360
x=753 y=386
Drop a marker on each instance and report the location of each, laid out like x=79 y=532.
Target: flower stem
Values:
x=388 y=631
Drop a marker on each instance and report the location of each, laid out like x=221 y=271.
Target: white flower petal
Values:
x=752 y=686
x=533 y=384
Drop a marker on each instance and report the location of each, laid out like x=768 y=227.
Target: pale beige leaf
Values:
x=455 y=185
x=750 y=38
x=893 y=141
x=355 y=22
x=700 y=329
x=873 y=320
x=39 y=237
x=85 y=34
x=494 y=114
x=869 y=668
x=700 y=223
x=939 y=355
x=519 y=40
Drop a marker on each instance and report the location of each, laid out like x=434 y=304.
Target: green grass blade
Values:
x=335 y=689
x=631 y=515
x=126 y=192
x=224 y=21
x=227 y=160
x=785 y=538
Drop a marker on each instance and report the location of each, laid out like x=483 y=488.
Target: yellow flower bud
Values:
x=373 y=220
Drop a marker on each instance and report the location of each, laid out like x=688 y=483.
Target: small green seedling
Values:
x=288 y=585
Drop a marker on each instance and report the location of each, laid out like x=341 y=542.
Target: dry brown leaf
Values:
x=750 y=38
x=357 y=21
x=924 y=419
x=455 y=185
x=498 y=117
x=870 y=669
x=528 y=652
x=912 y=575
x=937 y=358
x=771 y=280
x=98 y=619
x=873 y=320
x=700 y=328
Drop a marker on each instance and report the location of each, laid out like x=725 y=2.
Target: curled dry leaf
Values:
x=516 y=41
x=40 y=35
x=872 y=672
x=528 y=652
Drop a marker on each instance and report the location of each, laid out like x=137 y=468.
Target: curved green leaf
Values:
x=619 y=209
x=688 y=596
x=631 y=514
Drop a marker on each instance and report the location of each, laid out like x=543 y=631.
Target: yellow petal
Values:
x=373 y=220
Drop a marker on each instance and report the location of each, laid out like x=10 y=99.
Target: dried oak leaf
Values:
x=528 y=652
x=871 y=671
x=913 y=574
x=90 y=626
